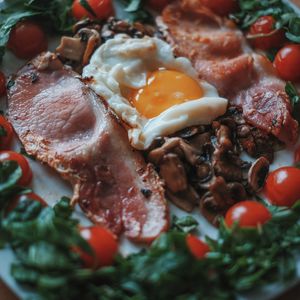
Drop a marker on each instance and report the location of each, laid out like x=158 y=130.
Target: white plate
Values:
x=51 y=187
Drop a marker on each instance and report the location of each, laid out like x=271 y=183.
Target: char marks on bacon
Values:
x=221 y=56
x=64 y=124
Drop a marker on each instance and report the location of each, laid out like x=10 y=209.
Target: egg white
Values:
x=124 y=63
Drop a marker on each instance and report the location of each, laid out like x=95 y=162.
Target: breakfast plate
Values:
x=51 y=187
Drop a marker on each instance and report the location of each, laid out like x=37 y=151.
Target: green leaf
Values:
x=285 y=16
x=55 y=16
x=24 y=152
x=294 y=29
x=9 y=20
x=185 y=224
x=135 y=11
x=2 y=131
x=133 y=6
x=10 y=173
x=85 y=4
x=294 y=96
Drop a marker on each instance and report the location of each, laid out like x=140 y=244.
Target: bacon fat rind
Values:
x=221 y=56
x=64 y=124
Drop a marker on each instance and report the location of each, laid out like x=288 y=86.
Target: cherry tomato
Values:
x=247 y=214
x=103 y=243
x=282 y=186
x=197 y=247
x=265 y=25
x=23 y=197
x=23 y=163
x=221 y=7
x=2 y=84
x=101 y=8
x=158 y=5
x=287 y=62
x=27 y=39
x=5 y=139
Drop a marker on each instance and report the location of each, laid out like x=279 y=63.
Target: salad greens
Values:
x=285 y=16
x=294 y=97
x=135 y=10
x=44 y=239
x=54 y=14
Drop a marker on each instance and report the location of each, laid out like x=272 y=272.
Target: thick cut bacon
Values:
x=220 y=55
x=64 y=124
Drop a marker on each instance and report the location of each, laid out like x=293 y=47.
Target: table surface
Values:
x=291 y=294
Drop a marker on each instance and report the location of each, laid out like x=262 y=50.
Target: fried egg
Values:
x=153 y=92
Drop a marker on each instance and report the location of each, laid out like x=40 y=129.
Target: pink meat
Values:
x=64 y=124
x=221 y=56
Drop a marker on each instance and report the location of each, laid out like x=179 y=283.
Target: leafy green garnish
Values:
x=294 y=98
x=24 y=152
x=285 y=16
x=10 y=173
x=134 y=5
x=271 y=54
x=45 y=240
x=55 y=15
x=85 y=4
x=136 y=11
x=185 y=224
x=2 y=131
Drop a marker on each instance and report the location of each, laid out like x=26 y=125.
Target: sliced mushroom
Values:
x=258 y=173
x=180 y=201
x=228 y=170
x=80 y=47
x=192 y=155
x=173 y=173
x=86 y=23
x=211 y=215
x=204 y=172
x=157 y=154
x=224 y=138
x=220 y=195
x=71 y=48
x=237 y=191
x=199 y=140
x=92 y=39
x=186 y=200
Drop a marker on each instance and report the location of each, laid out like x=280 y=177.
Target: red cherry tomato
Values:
x=221 y=7
x=8 y=132
x=265 y=25
x=2 y=84
x=23 y=163
x=287 y=62
x=158 y=5
x=103 y=243
x=247 y=214
x=27 y=39
x=101 y=8
x=28 y=196
x=198 y=248
x=282 y=186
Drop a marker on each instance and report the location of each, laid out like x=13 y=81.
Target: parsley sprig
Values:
x=285 y=16
x=43 y=239
x=54 y=14
x=136 y=11
x=294 y=96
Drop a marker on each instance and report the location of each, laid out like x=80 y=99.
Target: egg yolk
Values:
x=163 y=90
